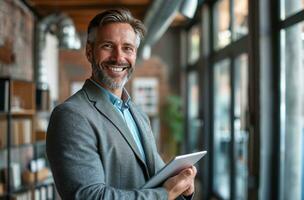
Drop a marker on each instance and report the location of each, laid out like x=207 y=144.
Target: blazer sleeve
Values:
x=77 y=169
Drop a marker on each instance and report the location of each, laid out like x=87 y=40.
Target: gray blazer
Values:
x=92 y=153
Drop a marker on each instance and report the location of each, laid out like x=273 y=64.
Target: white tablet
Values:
x=173 y=168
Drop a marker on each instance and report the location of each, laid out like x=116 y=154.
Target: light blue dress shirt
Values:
x=122 y=106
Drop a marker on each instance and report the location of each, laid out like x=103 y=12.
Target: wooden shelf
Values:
x=23 y=113
x=18 y=124
x=39 y=142
x=22 y=188
x=17 y=94
x=47 y=181
x=36 y=177
x=22 y=145
x=17 y=121
x=3 y=114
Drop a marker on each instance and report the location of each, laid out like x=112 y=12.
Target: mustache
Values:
x=115 y=63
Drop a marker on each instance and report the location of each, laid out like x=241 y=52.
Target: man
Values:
x=99 y=144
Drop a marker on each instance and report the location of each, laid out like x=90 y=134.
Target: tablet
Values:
x=173 y=168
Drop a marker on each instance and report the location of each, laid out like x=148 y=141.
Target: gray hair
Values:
x=116 y=16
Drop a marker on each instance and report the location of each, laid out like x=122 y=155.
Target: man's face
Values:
x=113 y=55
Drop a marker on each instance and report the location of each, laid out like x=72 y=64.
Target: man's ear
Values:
x=89 y=52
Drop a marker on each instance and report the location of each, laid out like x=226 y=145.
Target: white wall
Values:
x=51 y=59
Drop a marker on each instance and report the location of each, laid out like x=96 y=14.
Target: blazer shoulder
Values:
x=74 y=104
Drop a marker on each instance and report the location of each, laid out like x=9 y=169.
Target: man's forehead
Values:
x=116 y=26
x=123 y=31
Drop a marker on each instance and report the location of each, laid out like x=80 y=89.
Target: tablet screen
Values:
x=174 y=167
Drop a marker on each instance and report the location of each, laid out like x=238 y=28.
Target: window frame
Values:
x=279 y=25
x=205 y=64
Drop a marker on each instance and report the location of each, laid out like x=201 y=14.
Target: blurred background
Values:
x=224 y=76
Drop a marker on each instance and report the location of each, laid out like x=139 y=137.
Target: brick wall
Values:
x=16 y=40
x=73 y=66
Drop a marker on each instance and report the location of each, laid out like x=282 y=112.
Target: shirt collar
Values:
x=122 y=103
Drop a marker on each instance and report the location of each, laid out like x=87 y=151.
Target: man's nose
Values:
x=117 y=54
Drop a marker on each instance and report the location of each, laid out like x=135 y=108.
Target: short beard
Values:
x=102 y=77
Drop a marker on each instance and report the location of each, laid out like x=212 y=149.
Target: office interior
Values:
x=224 y=76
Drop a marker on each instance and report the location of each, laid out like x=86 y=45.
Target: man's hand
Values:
x=181 y=184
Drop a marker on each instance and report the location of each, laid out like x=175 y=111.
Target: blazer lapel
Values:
x=103 y=105
x=145 y=138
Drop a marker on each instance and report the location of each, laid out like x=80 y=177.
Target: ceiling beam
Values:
x=88 y=2
x=87 y=7
x=90 y=13
x=82 y=11
x=82 y=19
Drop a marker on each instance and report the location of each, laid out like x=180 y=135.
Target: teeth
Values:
x=116 y=69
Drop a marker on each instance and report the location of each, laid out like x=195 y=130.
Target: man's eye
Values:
x=129 y=49
x=107 y=46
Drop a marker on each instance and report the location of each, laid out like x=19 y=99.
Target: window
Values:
x=290 y=7
x=230 y=23
x=145 y=94
x=222 y=128
x=194 y=44
x=240 y=124
x=292 y=112
x=240 y=23
x=291 y=100
x=224 y=77
x=193 y=107
x=221 y=26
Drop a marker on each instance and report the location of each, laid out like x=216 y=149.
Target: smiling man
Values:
x=99 y=144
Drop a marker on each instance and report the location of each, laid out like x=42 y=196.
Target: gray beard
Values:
x=107 y=80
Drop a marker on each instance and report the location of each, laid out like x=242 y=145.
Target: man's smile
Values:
x=116 y=68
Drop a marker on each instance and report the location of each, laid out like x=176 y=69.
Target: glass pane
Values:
x=221 y=126
x=193 y=121
x=240 y=126
x=221 y=22
x=292 y=113
x=290 y=7
x=240 y=24
x=194 y=44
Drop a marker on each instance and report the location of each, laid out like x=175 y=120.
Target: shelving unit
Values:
x=24 y=172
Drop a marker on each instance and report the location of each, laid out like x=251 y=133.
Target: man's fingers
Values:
x=183 y=183
x=186 y=179
x=189 y=174
x=194 y=169
x=191 y=171
x=189 y=191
